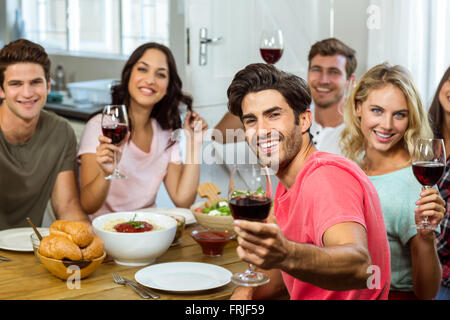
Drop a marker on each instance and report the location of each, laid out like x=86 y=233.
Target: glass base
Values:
x=116 y=175
x=250 y=279
x=423 y=226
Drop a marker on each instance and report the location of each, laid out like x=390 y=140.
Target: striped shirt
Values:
x=443 y=241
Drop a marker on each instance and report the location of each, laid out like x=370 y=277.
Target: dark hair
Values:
x=166 y=112
x=435 y=112
x=331 y=47
x=23 y=51
x=258 y=77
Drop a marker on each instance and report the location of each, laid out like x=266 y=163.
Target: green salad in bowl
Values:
x=219 y=208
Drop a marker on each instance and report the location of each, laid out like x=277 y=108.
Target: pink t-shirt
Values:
x=145 y=171
x=330 y=190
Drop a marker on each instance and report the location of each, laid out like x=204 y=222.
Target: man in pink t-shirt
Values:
x=327 y=238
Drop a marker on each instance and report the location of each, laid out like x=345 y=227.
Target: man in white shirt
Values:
x=330 y=78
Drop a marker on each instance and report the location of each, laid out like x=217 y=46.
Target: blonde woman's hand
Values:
x=430 y=205
x=105 y=153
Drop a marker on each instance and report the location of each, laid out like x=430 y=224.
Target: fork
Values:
x=119 y=280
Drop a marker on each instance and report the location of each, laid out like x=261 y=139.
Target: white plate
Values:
x=18 y=239
x=189 y=216
x=183 y=276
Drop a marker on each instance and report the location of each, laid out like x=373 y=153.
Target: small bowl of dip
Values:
x=212 y=241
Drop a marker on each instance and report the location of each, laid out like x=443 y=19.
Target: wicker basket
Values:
x=212 y=222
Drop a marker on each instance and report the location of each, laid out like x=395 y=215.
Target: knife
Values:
x=151 y=294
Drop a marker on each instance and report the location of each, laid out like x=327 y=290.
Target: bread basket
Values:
x=64 y=269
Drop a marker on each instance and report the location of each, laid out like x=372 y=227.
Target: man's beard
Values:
x=290 y=143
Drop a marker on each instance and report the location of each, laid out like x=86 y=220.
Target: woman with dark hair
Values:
x=150 y=88
x=439 y=114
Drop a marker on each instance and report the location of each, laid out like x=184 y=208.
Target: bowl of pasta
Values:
x=135 y=238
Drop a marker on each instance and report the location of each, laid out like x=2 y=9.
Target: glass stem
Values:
x=115 y=164
x=250 y=270
x=425 y=219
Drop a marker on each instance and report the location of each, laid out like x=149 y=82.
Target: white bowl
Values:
x=136 y=249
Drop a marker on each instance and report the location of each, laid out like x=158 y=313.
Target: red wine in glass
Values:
x=115 y=127
x=250 y=198
x=271 y=45
x=116 y=132
x=271 y=56
x=250 y=208
x=428 y=164
x=428 y=173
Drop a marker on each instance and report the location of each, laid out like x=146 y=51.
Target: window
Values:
x=100 y=26
x=412 y=34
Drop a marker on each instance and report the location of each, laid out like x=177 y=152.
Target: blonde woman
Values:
x=383 y=117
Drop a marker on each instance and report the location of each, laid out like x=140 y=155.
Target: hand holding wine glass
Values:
x=115 y=127
x=250 y=198
x=428 y=162
x=271 y=46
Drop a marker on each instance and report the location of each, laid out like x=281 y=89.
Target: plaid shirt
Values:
x=443 y=241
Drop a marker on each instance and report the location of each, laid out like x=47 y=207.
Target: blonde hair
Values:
x=352 y=139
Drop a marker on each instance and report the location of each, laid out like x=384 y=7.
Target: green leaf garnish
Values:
x=136 y=225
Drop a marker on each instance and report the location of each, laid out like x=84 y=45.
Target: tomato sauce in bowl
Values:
x=136 y=226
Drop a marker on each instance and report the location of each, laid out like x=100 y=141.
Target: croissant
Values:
x=73 y=240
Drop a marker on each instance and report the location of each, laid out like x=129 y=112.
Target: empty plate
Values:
x=18 y=239
x=183 y=276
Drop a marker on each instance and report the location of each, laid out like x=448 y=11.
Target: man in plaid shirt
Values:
x=443 y=241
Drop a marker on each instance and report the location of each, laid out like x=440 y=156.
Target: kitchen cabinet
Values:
x=73 y=111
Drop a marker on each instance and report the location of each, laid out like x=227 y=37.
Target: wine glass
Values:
x=428 y=164
x=271 y=46
x=250 y=198
x=115 y=127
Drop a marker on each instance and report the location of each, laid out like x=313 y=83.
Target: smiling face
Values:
x=149 y=78
x=384 y=119
x=270 y=128
x=25 y=90
x=327 y=79
x=444 y=96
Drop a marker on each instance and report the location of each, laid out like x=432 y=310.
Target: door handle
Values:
x=204 y=41
x=188 y=46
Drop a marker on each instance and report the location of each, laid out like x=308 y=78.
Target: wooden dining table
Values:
x=24 y=278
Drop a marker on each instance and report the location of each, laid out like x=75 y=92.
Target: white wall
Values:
x=350 y=27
